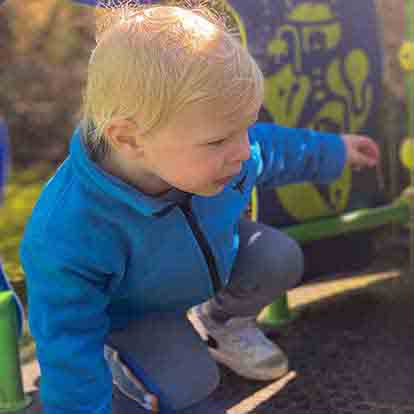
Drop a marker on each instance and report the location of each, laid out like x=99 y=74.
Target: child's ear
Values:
x=123 y=136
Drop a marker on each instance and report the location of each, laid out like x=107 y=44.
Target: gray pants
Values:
x=268 y=264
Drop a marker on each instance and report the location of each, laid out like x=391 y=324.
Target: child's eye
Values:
x=216 y=143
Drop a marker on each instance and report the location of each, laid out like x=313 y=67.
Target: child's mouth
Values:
x=225 y=180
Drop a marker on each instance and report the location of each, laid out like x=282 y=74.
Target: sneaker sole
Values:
x=278 y=372
x=192 y=316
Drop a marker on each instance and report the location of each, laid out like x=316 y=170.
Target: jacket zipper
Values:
x=202 y=242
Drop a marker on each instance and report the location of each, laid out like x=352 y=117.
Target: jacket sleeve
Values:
x=290 y=155
x=67 y=304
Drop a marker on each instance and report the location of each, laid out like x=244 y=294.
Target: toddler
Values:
x=144 y=218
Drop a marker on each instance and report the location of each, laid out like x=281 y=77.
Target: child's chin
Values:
x=210 y=192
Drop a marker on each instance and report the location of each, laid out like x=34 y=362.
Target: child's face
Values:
x=199 y=151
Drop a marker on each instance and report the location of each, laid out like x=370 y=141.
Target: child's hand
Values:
x=361 y=151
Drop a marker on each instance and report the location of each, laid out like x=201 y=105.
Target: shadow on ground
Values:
x=350 y=353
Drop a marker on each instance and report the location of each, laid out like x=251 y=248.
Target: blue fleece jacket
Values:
x=97 y=253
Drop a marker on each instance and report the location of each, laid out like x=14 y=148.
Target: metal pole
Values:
x=363 y=219
x=409 y=81
x=12 y=398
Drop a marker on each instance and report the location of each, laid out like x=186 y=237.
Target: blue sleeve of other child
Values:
x=290 y=155
x=69 y=323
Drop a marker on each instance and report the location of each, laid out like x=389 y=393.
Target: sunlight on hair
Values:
x=196 y=24
x=139 y=19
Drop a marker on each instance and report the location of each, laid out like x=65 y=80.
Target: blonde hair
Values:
x=152 y=61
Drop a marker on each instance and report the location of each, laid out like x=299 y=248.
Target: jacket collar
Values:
x=98 y=180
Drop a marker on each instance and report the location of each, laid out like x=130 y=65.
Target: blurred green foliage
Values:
x=22 y=190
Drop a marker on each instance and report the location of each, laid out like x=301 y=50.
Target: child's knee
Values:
x=294 y=261
x=297 y=260
x=281 y=267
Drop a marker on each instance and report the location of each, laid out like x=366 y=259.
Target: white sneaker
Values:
x=240 y=345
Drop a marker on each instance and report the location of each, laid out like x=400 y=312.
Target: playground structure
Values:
x=335 y=200
x=12 y=397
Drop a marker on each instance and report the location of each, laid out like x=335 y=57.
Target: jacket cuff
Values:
x=335 y=161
